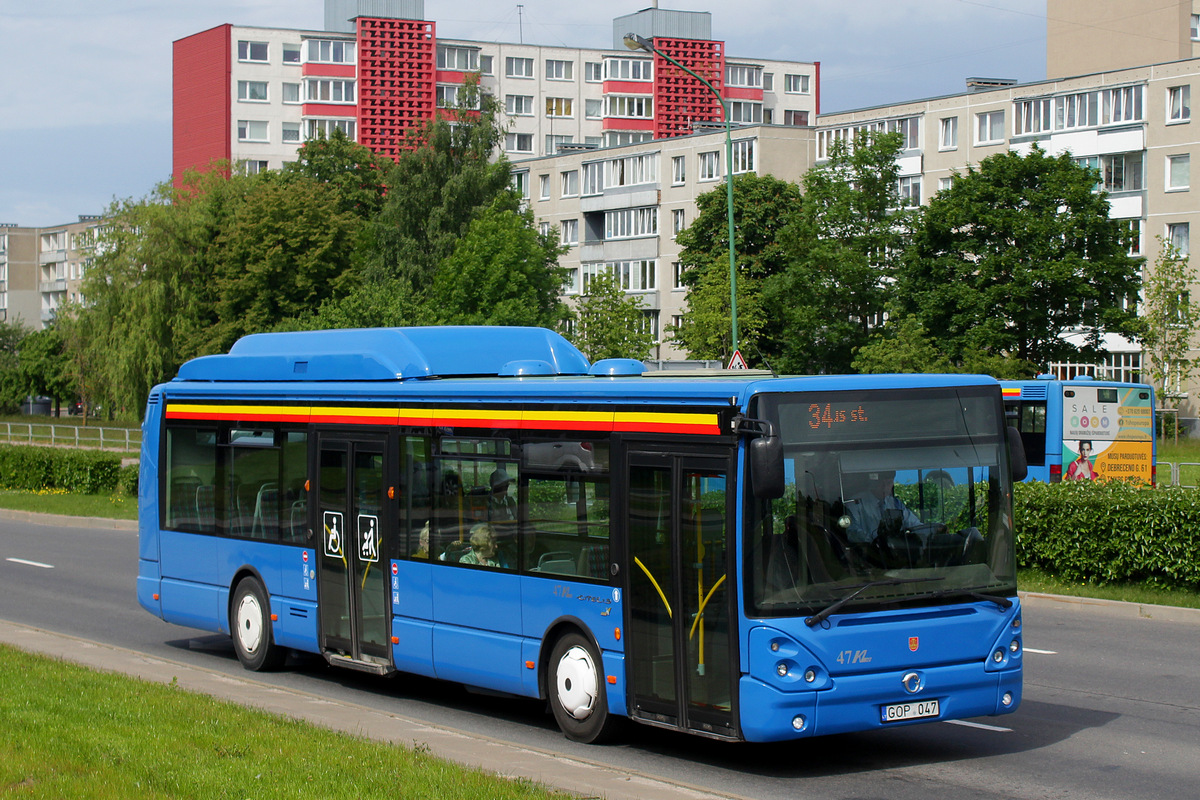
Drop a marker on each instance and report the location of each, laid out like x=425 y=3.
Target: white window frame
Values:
x=1178 y=168
x=518 y=105
x=569 y=232
x=332 y=91
x=709 y=166
x=559 y=70
x=516 y=67
x=457 y=59
x=554 y=141
x=629 y=106
x=568 y=183
x=746 y=76
x=989 y=122
x=678 y=170
x=744 y=156
x=294 y=50
x=948 y=133
x=292 y=128
x=292 y=93
x=314 y=128
x=246 y=52
x=628 y=69
x=747 y=112
x=330 y=51
x=592 y=177
x=560 y=107
x=796 y=84
x=253 y=130
x=593 y=71
x=631 y=223
x=245 y=93
x=1179 y=234
x=908 y=188
x=1179 y=104
x=513 y=140
x=543 y=187
x=796 y=118
x=593 y=108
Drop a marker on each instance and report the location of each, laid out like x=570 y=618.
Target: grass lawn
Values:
x=1032 y=580
x=57 y=501
x=67 y=731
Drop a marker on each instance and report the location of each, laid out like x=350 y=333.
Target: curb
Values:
x=1116 y=608
x=63 y=521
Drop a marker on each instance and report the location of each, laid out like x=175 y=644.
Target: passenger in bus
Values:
x=877 y=504
x=500 y=506
x=422 y=550
x=1081 y=469
x=483 y=547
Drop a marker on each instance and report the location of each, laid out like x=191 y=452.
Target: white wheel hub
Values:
x=249 y=623
x=577 y=683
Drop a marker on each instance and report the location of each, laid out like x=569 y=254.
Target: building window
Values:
x=570 y=183
x=462 y=59
x=768 y=81
x=622 y=138
x=518 y=67
x=291 y=132
x=570 y=232
x=486 y=66
x=627 y=69
x=1178 y=172
x=677 y=270
x=252 y=91
x=795 y=84
x=544 y=229
x=291 y=93
x=326 y=51
x=1121 y=172
x=678 y=221
x=1178 y=235
x=560 y=107
x=635 y=276
x=254 y=167
x=250 y=130
x=518 y=143
x=631 y=107
x=1080 y=110
x=291 y=54
x=678 y=170
x=649 y=323
x=796 y=119
x=743 y=156
x=743 y=75
x=1132 y=234
x=1032 y=116
x=593 y=178
x=520 y=180
x=593 y=71
x=1122 y=104
x=447 y=95
x=909 y=189
x=252 y=51
x=948 y=133
x=910 y=129
x=555 y=141
x=632 y=170
x=518 y=105
x=571 y=285
x=1195 y=27
x=710 y=166
x=1179 y=104
x=630 y=223
x=945 y=183
x=593 y=108
x=544 y=187
x=324 y=128
x=560 y=70
x=991 y=127
x=329 y=91
x=745 y=112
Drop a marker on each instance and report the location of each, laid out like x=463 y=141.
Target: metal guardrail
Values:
x=42 y=433
x=1177 y=475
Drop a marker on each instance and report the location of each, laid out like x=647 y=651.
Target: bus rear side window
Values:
x=190 y=502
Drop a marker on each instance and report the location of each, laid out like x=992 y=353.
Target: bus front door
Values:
x=352 y=587
x=679 y=631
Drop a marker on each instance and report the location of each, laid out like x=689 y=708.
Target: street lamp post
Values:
x=635 y=42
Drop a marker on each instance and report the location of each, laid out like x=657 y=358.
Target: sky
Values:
x=85 y=104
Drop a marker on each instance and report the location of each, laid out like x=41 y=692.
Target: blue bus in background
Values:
x=1084 y=429
x=735 y=555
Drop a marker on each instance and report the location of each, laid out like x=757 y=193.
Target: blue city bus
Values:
x=689 y=550
x=1084 y=429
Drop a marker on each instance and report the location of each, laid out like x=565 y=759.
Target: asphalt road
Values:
x=1111 y=704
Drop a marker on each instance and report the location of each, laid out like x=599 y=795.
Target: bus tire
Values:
x=577 y=694
x=250 y=623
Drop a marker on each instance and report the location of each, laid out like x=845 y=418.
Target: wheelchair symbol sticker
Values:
x=333 y=535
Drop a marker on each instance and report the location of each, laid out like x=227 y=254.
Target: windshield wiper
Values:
x=825 y=613
x=1003 y=602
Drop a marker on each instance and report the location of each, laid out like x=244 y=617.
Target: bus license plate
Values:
x=902 y=711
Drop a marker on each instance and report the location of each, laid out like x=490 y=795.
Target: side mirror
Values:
x=766 y=466
x=1016 y=455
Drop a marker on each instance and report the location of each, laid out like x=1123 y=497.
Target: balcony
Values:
x=56 y=285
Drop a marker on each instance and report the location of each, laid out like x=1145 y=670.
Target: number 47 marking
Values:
x=853 y=657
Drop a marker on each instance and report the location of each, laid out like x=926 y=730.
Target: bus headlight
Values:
x=781 y=669
x=998 y=656
x=1014 y=646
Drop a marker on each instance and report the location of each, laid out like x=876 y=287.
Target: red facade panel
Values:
x=679 y=99
x=396 y=81
x=627 y=124
x=628 y=87
x=201 y=103
x=328 y=70
x=743 y=93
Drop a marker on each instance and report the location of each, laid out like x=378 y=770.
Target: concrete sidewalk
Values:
x=587 y=779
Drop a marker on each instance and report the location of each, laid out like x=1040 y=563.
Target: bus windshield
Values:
x=906 y=490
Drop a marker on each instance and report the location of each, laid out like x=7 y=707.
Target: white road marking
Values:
x=979 y=725
x=30 y=563
x=1041 y=652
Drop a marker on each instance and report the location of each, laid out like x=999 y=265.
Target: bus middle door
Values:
x=680 y=626
x=352 y=586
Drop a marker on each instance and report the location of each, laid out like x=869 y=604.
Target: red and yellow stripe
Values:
x=606 y=421
x=1013 y=392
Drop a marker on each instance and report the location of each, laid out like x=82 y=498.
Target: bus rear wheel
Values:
x=250 y=622
x=577 y=695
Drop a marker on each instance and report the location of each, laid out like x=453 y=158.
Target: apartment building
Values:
x=254 y=95
x=1134 y=125
x=1086 y=36
x=42 y=268
x=617 y=209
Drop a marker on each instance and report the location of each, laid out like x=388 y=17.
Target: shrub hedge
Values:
x=34 y=468
x=1110 y=532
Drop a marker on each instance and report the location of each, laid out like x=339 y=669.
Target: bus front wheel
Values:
x=576 y=690
x=250 y=621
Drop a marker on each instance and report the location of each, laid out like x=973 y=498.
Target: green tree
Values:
x=437 y=189
x=610 y=323
x=1016 y=253
x=903 y=345
x=12 y=390
x=763 y=208
x=286 y=247
x=503 y=272
x=352 y=169
x=45 y=366
x=844 y=247
x=1170 y=321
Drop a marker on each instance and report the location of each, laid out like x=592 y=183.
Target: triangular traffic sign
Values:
x=737 y=362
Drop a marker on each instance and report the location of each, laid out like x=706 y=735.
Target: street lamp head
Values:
x=635 y=42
